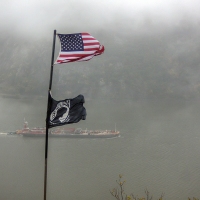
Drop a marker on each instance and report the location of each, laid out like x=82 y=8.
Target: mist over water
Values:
x=146 y=84
x=158 y=150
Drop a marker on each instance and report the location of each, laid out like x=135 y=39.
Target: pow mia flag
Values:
x=66 y=111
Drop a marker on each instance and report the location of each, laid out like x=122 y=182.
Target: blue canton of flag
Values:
x=71 y=42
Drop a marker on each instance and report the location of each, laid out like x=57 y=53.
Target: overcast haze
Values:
x=146 y=82
x=39 y=17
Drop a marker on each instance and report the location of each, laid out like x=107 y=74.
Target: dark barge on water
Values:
x=66 y=132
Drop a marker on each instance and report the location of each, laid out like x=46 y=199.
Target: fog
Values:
x=39 y=18
x=146 y=82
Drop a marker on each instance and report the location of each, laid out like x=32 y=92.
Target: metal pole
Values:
x=48 y=114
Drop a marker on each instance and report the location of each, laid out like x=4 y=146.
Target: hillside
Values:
x=152 y=65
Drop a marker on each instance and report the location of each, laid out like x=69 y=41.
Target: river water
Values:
x=158 y=150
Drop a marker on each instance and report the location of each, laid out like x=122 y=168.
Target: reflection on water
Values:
x=158 y=149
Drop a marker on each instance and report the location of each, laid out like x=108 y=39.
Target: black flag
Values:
x=66 y=111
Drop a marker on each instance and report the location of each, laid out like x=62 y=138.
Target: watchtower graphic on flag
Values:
x=67 y=111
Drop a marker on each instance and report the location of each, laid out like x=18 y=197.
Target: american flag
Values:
x=78 y=47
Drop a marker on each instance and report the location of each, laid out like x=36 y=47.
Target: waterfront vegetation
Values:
x=119 y=193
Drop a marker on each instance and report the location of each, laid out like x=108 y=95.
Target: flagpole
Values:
x=48 y=114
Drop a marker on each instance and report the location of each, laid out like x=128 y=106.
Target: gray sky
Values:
x=40 y=17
